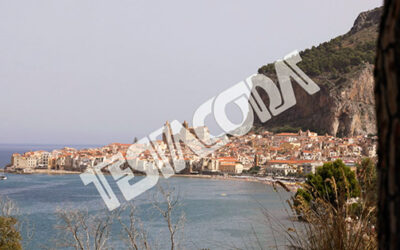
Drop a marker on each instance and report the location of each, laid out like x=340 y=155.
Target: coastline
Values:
x=45 y=171
x=290 y=186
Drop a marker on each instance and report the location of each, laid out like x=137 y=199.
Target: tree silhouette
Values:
x=387 y=96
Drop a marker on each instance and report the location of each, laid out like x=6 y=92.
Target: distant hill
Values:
x=343 y=68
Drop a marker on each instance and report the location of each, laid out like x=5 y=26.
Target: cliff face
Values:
x=366 y=19
x=343 y=69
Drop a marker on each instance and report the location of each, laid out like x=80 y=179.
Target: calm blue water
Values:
x=219 y=214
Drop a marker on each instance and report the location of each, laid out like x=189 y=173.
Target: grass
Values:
x=347 y=224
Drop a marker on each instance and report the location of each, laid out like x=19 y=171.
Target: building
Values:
x=281 y=167
x=202 y=133
x=285 y=167
x=310 y=167
x=64 y=162
x=43 y=161
x=18 y=161
x=32 y=161
x=209 y=165
x=229 y=165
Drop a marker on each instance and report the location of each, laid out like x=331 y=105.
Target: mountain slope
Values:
x=343 y=68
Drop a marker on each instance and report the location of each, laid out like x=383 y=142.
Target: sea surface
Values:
x=220 y=214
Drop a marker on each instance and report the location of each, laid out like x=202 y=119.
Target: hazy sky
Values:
x=82 y=72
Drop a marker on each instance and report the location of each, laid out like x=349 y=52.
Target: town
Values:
x=261 y=154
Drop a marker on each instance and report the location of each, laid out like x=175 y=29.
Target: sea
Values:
x=219 y=214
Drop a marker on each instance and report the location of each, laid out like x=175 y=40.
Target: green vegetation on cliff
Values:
x=333 y=58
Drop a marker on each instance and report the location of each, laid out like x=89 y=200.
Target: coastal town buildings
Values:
x=229 y=165
x=19 y=161
x=273 y=154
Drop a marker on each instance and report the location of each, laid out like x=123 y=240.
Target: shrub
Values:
x=334 y=181
x=10 y=238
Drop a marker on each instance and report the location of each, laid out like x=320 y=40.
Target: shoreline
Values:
x=45 y=171
x=289 y=185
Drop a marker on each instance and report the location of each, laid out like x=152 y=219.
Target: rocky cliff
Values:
x=343 y=68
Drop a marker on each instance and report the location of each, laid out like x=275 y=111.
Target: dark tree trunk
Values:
x=387 y=77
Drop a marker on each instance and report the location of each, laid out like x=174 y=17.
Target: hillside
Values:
x=343 y=68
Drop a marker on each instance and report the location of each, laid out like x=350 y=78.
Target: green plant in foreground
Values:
x=331 y=220
x=10 y=238
x=334 y=181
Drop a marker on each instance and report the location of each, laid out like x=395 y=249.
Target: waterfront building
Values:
x=229 y=165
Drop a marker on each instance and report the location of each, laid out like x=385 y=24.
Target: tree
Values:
x=254 y=170
x=167 y=203
x=133 y=232
x=82 y=231
x=387 y=92
x=334 y=182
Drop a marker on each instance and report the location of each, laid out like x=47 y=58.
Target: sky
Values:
x=97 y=72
